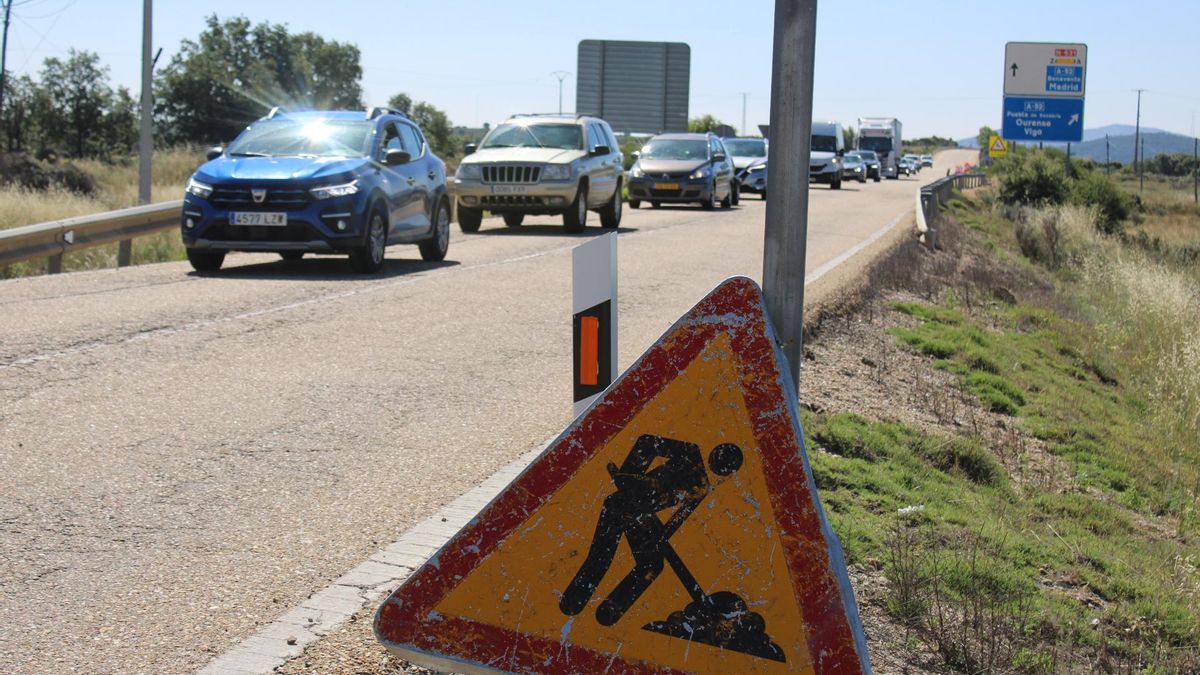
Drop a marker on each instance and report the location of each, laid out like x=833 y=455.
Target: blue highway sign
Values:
x=1030 y=118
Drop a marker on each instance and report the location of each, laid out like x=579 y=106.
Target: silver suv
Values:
x=542 y=165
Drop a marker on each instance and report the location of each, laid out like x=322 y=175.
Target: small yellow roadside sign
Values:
x=997 y=147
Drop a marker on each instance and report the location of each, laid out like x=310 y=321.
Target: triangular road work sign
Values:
x=997 y=147
x=673 y=527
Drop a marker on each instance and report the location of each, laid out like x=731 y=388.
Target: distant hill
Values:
x=1088 y=135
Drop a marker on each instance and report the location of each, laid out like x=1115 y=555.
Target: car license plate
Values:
x=666 y=186
x=259 y=218
x=509 y=189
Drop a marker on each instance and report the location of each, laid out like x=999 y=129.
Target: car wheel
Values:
x=575 y=218
x=635 y=204
x=514 y=219
x=711 y=203
x=763 y=195
x=727 y=202
x=291 y=255
x=862 y=178
x=434 y=248
x=205 y=261
x=469 y=219
x=877 y=178
x=836 y=183
x=368 y=258
x=610 y=215
x=656 y=204
x=737 y=192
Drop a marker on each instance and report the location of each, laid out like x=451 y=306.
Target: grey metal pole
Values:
x=1141 y=166
x=1137 y=130
x=4 y=51
x=561 y=75
x=787 y=181
x=1107 y=161
x=1195 y=172
x=146 y=128
x=744 y=94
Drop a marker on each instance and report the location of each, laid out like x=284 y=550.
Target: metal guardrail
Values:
x=930 y=199
x=51 y=240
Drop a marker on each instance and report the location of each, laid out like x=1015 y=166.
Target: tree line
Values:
x=217 y=84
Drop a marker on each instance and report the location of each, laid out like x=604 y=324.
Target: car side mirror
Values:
x=396 y=157
x=719 y=157
x=600 y=150
x=635 y=155
x=469 y=148
x=841 y=152
x=215 y=152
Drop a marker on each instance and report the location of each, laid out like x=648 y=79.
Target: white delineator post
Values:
x=594 y=318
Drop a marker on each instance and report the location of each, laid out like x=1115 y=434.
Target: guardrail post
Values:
x=54 y=264
x=125 y=253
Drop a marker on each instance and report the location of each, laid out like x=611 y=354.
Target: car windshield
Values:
x=876 y=143
x=304 y=138
x=675 y=149
x=561 y=136
x=853 y=157
x=824 y=143
x=867 y=155
x=746 y=147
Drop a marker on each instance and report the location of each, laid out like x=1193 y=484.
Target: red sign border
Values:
x=407 y=621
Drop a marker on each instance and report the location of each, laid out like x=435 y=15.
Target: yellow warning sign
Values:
x=997 y=147
x=674 y=527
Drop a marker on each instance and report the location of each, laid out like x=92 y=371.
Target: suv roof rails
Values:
x=550 y=114
x=378 y=110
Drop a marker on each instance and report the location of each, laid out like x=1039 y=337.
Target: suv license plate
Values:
x=666 y=186
x=509 y=189
x=258 y=218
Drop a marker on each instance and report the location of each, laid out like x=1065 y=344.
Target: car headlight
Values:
x=757 y=167
x=199 y=189
x=837 y=160
x=330 y=191
x=556 y=172
x=468 y=172
x=636 y=172
x=703 y=172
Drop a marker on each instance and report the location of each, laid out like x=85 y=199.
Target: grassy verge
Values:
x=117 y=187
x=1070 y=543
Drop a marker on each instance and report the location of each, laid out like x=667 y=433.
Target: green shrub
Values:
x=1033 y=180
x=1099 y=191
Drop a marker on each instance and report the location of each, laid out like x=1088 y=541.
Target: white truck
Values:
x=882 y=134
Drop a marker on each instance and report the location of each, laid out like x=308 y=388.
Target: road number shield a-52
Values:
x=674 y=527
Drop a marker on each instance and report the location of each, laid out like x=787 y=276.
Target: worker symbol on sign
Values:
x=720 y=619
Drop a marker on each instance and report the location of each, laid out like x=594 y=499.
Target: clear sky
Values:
x=935 y=64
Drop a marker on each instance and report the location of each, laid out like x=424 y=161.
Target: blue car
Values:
x=344 y=182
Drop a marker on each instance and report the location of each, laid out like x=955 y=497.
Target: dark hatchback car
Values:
x=680 y=169
x=343 y=182
x=874 y=166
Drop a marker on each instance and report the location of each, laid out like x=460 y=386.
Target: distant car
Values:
x=907 y=166
x=319 y=182
x=853 y=167
x=542 y=165
x=915 y=160
x=874 y=166
x=927 y=160
x=750 y=162
x=682 y=168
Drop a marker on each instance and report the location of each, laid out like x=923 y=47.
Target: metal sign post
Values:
x=787 y=182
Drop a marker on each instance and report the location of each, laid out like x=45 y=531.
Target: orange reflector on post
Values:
x=589 y=338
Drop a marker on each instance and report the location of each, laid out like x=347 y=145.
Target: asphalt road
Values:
x=185 y=457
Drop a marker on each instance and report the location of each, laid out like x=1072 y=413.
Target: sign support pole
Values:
x=145 y=127
x=787 y=208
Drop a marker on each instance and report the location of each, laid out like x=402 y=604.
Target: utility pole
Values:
x=146 y=126
x=1107 y=161
x=561 y=75
x=1142 y=167
x=744 y=95
x=4 y=51
x=785 y=243
x=1195 y=172
x=1137 y=130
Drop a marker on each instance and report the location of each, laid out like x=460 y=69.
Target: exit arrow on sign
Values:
x=1014 y=69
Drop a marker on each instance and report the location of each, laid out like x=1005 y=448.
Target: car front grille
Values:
x=511 y=200
x=241 y=197
x=511 y=173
